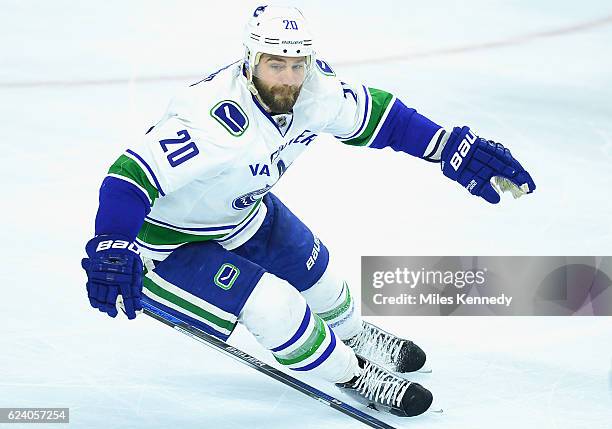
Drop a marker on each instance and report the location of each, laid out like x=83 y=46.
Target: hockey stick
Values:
x=150 y=309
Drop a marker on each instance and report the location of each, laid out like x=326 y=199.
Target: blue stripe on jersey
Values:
x=232 y=235
x=148 y=246
x=122 y=208
x=184 y=228
x=405 y=130
x=364 y=119
x=139 y=158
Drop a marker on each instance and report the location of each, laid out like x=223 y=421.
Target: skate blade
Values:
x=407 y=375
x=426 y=369
x=435 y=408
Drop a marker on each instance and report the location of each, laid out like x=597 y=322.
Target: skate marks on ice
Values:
x=241 y=339
x=493 y=44
x=610 y=380
x=165 y=381
x=481 y=389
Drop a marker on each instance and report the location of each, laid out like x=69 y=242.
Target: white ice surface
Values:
x=80 y=80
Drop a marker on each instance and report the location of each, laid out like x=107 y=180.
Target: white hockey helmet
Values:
x=277 y=30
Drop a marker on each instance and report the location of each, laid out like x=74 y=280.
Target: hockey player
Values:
x=186 y=216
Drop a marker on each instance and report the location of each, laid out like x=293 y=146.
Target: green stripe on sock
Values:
x=127 y=167
x=186 y=305
x=337 y=311
x=380 y=103
x=310 y=346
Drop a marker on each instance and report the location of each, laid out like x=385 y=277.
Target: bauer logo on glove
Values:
x=485 y=168
x=114 y=275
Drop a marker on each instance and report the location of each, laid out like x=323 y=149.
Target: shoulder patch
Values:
x=229 y=114
x=212 y=75
x=325 y=68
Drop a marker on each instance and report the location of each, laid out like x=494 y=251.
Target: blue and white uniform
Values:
x=218 y=246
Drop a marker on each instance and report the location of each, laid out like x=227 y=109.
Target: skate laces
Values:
x=376 y=344
x=377 y=384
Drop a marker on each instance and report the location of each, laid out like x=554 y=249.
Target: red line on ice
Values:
x=515 y=40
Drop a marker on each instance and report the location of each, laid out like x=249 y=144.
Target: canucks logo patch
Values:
x=229 y=114
x=226 y=276
x=247 y=200
x=259 y=11
x=325 y=68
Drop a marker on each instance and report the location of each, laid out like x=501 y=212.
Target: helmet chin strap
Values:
x=253 y=89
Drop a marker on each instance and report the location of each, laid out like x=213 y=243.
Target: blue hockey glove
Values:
x=479 y=164
x=113 y=268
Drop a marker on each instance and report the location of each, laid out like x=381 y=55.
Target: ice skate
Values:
x=387 y=350
x=382 y=390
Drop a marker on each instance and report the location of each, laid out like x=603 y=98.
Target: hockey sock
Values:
x=279 y=318
x=331 y=299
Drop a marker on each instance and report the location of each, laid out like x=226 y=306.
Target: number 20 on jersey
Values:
x=177 y=149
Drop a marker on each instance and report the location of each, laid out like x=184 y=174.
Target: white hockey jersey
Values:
x=206 y=165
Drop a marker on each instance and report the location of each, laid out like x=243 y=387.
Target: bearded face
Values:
x=279 y=98
x=279 y=81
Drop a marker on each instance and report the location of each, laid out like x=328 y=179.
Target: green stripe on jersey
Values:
x=186 y=305
x=127 y=167
x=380 y=103
x=310 y=346
x=159 y=235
